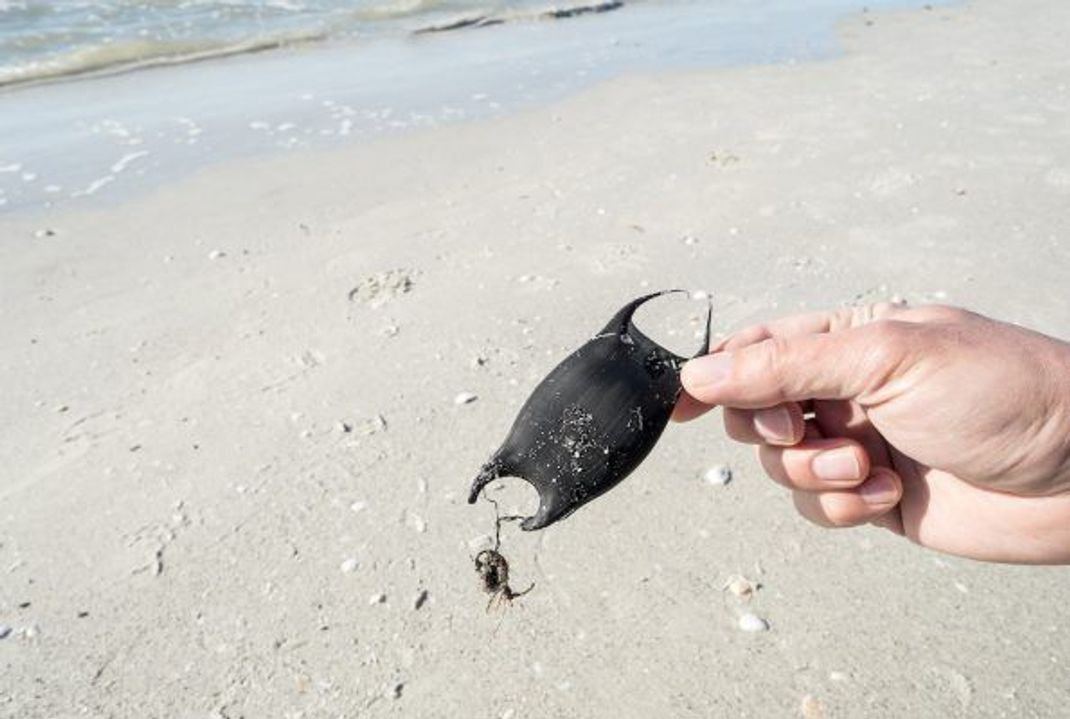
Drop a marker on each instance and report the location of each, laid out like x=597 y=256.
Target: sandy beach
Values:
x=235 y=471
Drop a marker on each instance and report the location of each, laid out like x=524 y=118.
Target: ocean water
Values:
x=90 y=113
x=41 y=40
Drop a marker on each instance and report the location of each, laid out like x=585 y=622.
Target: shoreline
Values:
x=235 y=468
x=182 y=117
x=113 y=62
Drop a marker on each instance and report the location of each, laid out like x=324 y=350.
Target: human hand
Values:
x=944 y=426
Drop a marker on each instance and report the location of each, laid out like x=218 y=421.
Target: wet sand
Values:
x=233 y=459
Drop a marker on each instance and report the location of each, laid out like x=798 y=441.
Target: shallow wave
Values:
x=77 y=55
x=134 y=55
x=526 y=13
x=395 y=9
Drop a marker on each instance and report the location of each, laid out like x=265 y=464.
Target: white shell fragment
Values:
x=358 y=506
x=719 y=475
x=811 y=707
x=740 y=587
x=749 y=622
x=416 y=522
x=465 y=398
x=349 y=565
x=379 y=598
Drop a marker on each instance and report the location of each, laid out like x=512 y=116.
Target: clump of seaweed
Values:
x=493 y=568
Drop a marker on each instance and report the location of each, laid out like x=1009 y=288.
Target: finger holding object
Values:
x=780 y=425
x=816 y=465
x=868 y=502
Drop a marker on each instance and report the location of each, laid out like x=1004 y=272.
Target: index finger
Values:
x=820 y=322
x=813 y=323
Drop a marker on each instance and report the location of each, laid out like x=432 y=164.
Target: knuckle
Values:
x=773 y=361
x=882 y=310
x=845 y=318
x=947 y=313
x=886 y=331
x=748 y=336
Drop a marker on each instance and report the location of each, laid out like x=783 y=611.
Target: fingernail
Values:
x=707 y=370
x=879 y=489
x=774 y=424
x=837 y=465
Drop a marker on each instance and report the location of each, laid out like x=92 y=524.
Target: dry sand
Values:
x=179 y=534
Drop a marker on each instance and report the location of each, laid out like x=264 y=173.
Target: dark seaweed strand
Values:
x=498 y=519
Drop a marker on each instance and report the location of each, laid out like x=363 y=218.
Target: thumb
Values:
x=848 y=364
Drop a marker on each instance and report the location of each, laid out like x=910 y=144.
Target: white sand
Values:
x=174 y=448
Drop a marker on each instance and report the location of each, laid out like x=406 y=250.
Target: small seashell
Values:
x=5 y=631
x=349 y=565
x=379 y=598
x=749 y=622
x=811 y=707
x=740 y=586
x=592 y=420
x=358 y=507
x=416 y=522
x=465 y=398
x=718 y=475
x=216 y=255
x=373 y=425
